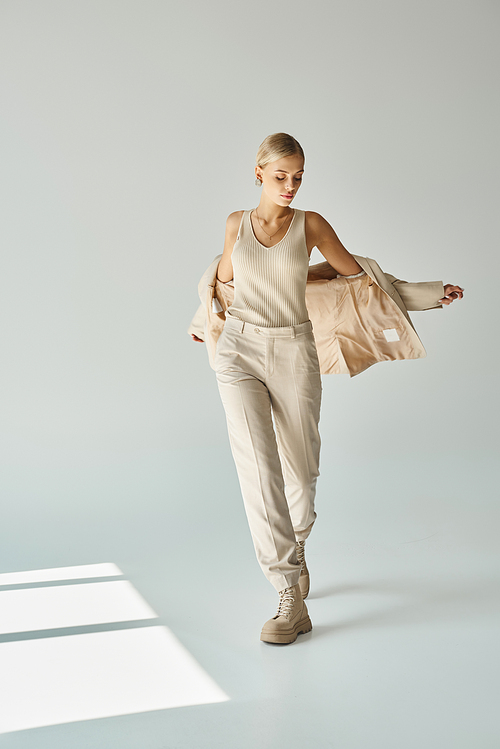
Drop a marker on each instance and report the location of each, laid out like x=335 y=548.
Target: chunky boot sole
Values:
x=286 y=636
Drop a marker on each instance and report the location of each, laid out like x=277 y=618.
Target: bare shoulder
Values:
x=316 y=226
x=324 y=237
x=233 y=221
x=314 y=219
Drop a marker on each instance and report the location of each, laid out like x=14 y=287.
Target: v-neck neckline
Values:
x=277 y=243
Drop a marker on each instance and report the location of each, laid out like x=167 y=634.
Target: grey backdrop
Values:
x=128 y=133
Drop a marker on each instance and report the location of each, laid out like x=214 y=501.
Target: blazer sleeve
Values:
x=418 y=296
x=197 y=325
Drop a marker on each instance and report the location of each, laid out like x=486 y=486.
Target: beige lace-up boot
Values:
x=292 y=618
x=304 y=572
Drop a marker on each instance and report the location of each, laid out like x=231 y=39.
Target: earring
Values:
x=258 y=182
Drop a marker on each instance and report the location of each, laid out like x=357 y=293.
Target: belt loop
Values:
x=293 y=332
x=242 y=326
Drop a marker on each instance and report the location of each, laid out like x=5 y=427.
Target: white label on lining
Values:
x=391 y=334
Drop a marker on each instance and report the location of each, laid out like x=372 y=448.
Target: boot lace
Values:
x=285 y=605
x=300 y=547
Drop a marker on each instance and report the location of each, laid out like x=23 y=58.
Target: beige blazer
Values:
x=356 y=322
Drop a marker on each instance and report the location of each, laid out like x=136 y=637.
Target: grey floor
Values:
x=404 y=601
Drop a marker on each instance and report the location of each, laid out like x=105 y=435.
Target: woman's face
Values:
x=281 y=179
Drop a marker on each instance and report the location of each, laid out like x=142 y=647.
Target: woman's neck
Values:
x=272 y=213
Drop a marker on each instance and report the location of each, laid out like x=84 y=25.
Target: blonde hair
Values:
x=277 y=146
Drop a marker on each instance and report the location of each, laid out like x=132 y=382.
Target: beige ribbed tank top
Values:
x=270 y=282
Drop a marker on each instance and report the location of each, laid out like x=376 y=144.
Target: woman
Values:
x=267 y=367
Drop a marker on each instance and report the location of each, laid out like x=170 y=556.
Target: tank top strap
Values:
x=241 y=229
x=297 y=231
x=298 y=228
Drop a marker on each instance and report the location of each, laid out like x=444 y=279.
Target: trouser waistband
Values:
x=289 y=331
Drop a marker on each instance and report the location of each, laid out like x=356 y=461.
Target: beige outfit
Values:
x=267 y=366
x=265 y=372
x=357 y=322
x=269 y=282
x=268 y=370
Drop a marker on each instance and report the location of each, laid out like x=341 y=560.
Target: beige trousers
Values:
x=266 y=373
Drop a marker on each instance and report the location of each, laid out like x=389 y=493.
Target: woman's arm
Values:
x=321 y=271
x=425 y=294
x=321 y=235
x=225 y=267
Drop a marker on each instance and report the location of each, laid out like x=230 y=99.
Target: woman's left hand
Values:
x=451 y=293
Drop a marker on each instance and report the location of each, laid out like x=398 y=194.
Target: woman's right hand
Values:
x=451 y=293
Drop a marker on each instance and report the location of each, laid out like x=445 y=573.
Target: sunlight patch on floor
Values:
x=56 y=679
x=104 y=569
